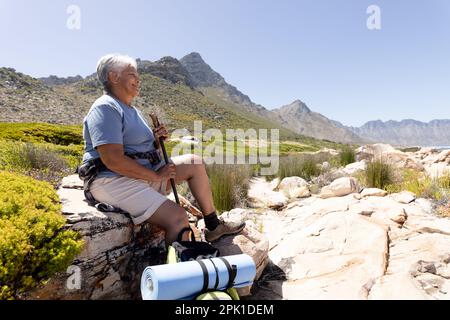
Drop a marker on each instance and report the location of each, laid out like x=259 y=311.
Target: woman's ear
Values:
x=113 y=77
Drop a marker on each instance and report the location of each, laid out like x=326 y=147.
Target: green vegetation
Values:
x=44 y=151
x=378 y=174
x=421 y=185
x=229 y=184
x=409 y=149
x=305 y=166
x=32 y=245
x=347 y=156
x=41 y=133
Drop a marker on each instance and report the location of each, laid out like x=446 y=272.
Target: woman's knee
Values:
x=196 y=159
x=180 y=218
x=170 y=216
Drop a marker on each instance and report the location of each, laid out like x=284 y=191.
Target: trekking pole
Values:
x=166 y=158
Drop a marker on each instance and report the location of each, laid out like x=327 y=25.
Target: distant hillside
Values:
x=57 y=81
x=406 y=132
x=295 y=117
x=25 y=99
x=189 y=89
x=299 y=118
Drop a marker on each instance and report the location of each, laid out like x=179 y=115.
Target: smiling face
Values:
x=126 y=81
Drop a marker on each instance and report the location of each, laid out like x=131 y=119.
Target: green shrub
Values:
x=303 y=165
x=347 y=156
x=229 y=185
x=378 y=174
x=444 y=181
x=33 y=245
x=41 y=133
x=421 y=185
x=27 y=156
x=42 y=161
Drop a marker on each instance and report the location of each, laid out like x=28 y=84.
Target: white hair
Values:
x=112 y=62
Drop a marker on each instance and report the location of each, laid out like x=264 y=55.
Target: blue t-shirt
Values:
x=110 y=121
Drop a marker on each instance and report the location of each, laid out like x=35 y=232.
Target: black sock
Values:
x=211 y=221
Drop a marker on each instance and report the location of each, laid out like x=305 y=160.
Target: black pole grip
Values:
x=166 y=158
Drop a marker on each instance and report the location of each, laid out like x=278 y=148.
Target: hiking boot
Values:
x=223 y=229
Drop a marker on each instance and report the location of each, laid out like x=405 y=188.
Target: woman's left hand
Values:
x=161 y=131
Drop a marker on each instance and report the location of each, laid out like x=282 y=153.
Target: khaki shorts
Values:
x=137 y=197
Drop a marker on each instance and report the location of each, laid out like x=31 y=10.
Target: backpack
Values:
x=180 y=251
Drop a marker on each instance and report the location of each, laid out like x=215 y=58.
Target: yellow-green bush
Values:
x=41 y=132
x=33 y=245
x=421 y=184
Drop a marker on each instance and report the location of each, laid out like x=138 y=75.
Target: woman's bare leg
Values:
x=195 y=175
x=172 y=218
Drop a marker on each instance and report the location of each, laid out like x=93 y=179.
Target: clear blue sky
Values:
x=319 y=51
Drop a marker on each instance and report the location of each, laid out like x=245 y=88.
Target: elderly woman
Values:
x=133 y=176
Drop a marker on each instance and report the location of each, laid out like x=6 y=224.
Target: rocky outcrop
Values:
x=116 y=251
x=436 y=163
x=388 y=154
x=356 y=246
x=114 y=256
x=167 y=68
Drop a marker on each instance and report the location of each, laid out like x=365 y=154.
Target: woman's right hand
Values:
x=167 y=172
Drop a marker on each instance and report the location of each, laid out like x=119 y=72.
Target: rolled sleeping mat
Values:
x=185 y=280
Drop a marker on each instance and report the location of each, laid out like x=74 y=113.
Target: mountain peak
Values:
x=297 y=106
x=167 y=68
x=193 y=56
x=202 y=74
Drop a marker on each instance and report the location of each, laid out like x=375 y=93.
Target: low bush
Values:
x=347 y=156
x=41 y=133
x=305 y=166
x=229 y=185
x=421 y=185
x=33 y=245
x=42 y=161
x=378 y=174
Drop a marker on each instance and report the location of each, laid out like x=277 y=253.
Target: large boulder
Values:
x=373 y=192
x=294 y=187
x=261 y=195
x=355 y=167
x=340 y=187
x=389 y=155
x=350 y=248
x=404 y=197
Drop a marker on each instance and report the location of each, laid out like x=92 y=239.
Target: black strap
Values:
x=153 y=156
x=217 y=275
x=180 y=234
x=232 y=271
x=205 y=275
